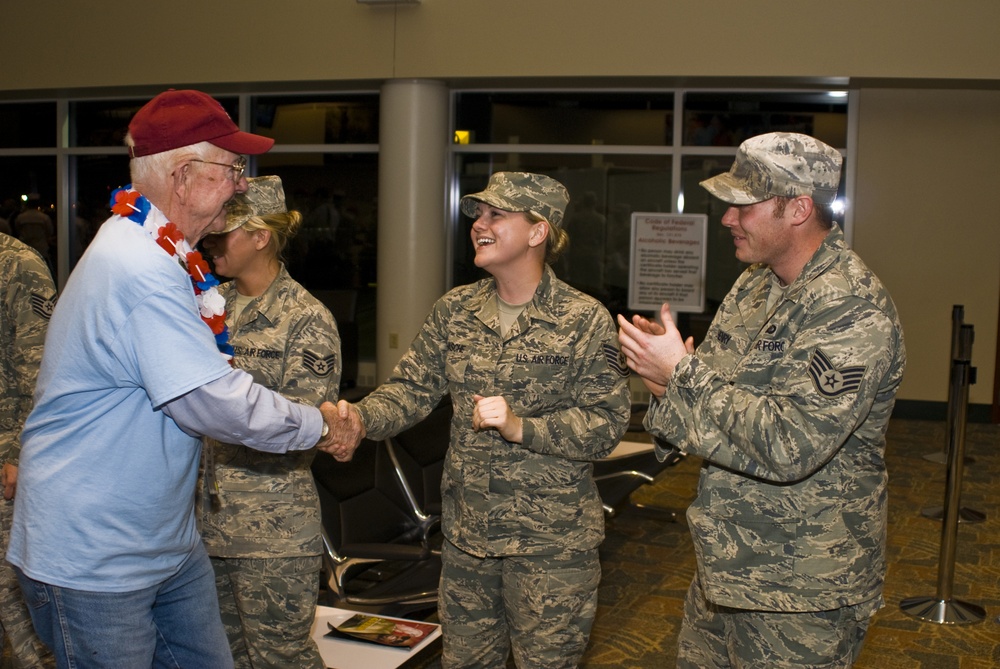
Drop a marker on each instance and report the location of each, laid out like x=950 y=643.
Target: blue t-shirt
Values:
x=105 y=495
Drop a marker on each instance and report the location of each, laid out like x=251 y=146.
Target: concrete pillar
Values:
x=412 y=230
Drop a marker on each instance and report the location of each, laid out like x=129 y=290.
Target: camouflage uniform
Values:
x=259 y=511
x=28 y=299
x=560 y=369
x=788 y=405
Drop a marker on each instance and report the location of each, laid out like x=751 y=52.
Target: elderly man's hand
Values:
x=345 y=430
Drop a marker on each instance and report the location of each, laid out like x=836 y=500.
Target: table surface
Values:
x=340 y=653
x=627 y=448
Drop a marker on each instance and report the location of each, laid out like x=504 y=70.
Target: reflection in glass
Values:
x=728 y=118
x=334 y=253
x=28 y=203
x=619 y=118
x=93 y=179
x=312 y=119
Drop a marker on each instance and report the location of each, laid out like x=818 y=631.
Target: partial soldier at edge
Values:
x=29 y=295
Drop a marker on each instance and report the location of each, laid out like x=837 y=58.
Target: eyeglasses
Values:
x=238 y=168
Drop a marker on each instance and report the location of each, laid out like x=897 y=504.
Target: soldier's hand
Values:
x=653 y=350
x=493 y=412
x=9 y=479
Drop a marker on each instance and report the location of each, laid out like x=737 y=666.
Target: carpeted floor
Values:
x=648 y=563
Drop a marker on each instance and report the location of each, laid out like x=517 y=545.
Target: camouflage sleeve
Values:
x=599 y=405
x=29 y=296
x=313 y=363
x=415 y=386
x=784 y=429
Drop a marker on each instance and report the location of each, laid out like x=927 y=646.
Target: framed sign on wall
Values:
x=667 y=261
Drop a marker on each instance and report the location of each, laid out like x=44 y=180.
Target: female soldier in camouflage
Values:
x=260 y=511
x=539 y=391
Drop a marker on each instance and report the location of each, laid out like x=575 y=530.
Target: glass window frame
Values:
x=677 y=149
x=68 y=151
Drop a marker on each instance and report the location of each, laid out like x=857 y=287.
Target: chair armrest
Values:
x=628 y=474
x=385 y=551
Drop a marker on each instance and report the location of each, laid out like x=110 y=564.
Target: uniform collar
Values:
x=756 y=287
x=829 y=251
x=541 y=307
x=269 y=303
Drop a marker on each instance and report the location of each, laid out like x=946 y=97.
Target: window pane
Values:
x=28 y=202
x=101 y=122
x=567 y=118
x=721 y=265
x=333 y=254
x=327 y=119
x=27 y=125
x=105 y=122
x=92 y=180
x=726 y=119
x=604 y=191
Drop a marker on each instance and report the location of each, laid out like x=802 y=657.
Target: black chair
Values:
x=417 y=455
x=375 y=554
x=628 y=468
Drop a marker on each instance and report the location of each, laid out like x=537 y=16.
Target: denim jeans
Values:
x=174 y=624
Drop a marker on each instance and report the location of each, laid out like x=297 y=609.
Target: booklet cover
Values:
x=397 y=633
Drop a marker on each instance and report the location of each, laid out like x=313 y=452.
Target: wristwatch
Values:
x=326 y=429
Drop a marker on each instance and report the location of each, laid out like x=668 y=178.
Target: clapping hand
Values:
x=652 y=350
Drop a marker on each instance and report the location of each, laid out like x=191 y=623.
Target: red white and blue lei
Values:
x=130 y=204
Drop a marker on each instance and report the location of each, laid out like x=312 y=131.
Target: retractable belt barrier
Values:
x=943 y=608
x=965 y=514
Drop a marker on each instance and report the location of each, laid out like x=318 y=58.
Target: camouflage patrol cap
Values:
x=521 y=191
x=264 y=196
x=783 y=164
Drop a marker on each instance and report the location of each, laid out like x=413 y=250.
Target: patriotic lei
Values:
x=130 y=204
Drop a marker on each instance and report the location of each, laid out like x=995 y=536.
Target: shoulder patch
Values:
x=42 y=306
x=321 y=366
x=616 y=359
x=833 y=382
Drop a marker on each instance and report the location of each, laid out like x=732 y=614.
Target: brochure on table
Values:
x=345 y=653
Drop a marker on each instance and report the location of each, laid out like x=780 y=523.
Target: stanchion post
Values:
x=965 y=515
x=943 y=608
x=957 y=320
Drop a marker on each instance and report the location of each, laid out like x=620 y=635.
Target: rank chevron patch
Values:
x=833 y=382
x=616 y=359
x=41 y=306
x=320 y=366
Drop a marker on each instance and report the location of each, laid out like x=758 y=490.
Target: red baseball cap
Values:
x=181 y=118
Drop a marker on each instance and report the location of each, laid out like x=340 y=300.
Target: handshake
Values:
x=343 y=430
